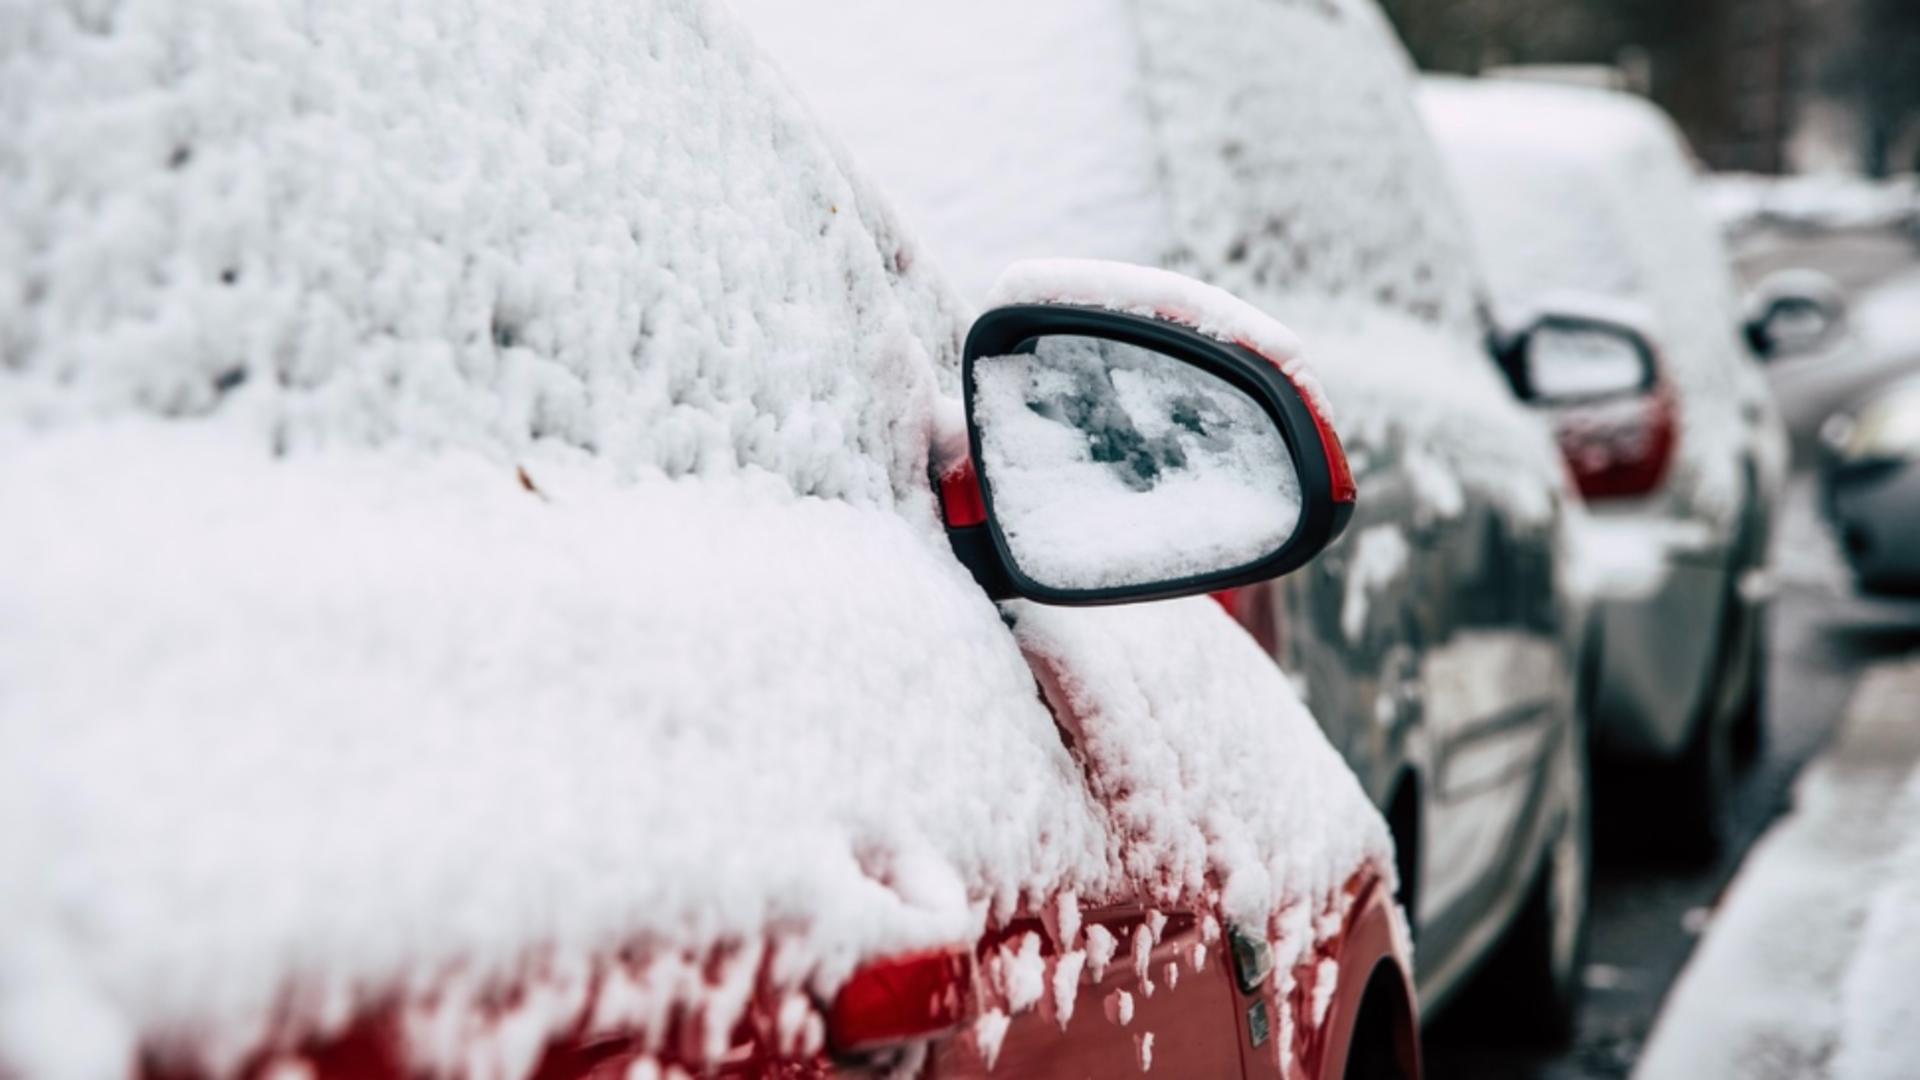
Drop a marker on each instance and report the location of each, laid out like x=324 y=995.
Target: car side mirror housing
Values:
x=1793 y=312
x=1572 y=359
x=1124 y=456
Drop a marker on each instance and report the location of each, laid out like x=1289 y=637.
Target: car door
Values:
x=1430 y=640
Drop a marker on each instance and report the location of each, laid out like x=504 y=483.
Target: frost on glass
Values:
x=1111 y=465
x=1566 y=363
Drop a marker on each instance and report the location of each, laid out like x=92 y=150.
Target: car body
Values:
x=1589 y=190
x=1870 y=486
x=490 y=593
x=1273 y=150
x=1816 y=362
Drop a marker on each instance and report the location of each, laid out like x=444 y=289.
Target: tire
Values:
x=1536 y=975
x=1750 y=707
x=1698 y=786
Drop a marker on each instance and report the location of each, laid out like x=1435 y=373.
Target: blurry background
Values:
x=1805 y=116
x=1758 y=85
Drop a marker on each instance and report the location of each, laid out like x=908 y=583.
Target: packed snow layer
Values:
x=453 y=729
x=363 y=720
x=1178 y=764
x=595 y=229
x=468 y=519
x=1286 y=163
x=1245 y=141
x=1806 y=969
x=1571 y=188
x=1015 y=127
x=1161 y=294
x=1879 y=1008
x=1296 y=169
x=1110 y=466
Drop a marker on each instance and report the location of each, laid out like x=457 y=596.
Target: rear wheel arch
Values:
x=1386 y=1034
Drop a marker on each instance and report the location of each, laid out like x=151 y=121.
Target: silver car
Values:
x=1590 y=190
x=1274 y=149
x=1870 y=487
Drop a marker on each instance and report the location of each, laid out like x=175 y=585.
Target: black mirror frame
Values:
x=1759 y=333
x=998 y=332
x=1513 y=357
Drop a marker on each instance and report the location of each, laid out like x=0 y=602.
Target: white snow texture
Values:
x=465 y=473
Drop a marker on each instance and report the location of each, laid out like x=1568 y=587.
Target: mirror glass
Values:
x=1567 y=362
x=1111 y=465
x=1796 y=325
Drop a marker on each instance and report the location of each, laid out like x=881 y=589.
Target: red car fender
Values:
x=1375 y=973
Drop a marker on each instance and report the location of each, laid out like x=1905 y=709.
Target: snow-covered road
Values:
x=1806 y=970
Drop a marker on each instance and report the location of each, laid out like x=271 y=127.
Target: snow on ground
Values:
x=468 y=514
x=1807 y=968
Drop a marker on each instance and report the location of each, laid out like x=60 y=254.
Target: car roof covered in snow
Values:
x=1267 y=147
x=470 y=544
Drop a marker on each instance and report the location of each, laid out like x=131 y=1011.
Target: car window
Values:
x=669 y=273
x=1267 y=147
x=1297 y=168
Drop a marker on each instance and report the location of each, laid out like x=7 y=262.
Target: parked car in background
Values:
x=1590 y=191
x=1273 y=149
x=1870 y=486
x=498 y=581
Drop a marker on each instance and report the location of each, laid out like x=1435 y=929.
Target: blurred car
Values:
x=1673 y=441
x=1870 y=487
x=1798 y=322
x=1273 y=149
x=498 y=582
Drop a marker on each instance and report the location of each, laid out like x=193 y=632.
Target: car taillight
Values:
x=903 y=999
x=1620 y=448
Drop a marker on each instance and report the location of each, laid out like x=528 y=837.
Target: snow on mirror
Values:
x=1572 y=362
x=1110 y=465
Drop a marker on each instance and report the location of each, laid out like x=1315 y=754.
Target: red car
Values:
x=514 y=569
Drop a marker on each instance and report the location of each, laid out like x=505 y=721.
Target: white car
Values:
x=1679 y=450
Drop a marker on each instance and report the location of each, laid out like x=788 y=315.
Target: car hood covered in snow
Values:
x=469 y=543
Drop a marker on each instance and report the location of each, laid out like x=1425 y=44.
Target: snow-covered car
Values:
x=1819 y=360
x=499 y=580
x=1870 y=486
x=1274 y=149
x=1665 y=416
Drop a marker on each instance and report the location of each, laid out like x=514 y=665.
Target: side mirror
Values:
x=1598 y=379
x=1793 y=312
x=1565 y=359
x=1124 y=456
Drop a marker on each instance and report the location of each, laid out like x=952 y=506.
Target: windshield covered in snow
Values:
x=1267 y=147
x=1112 y=465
